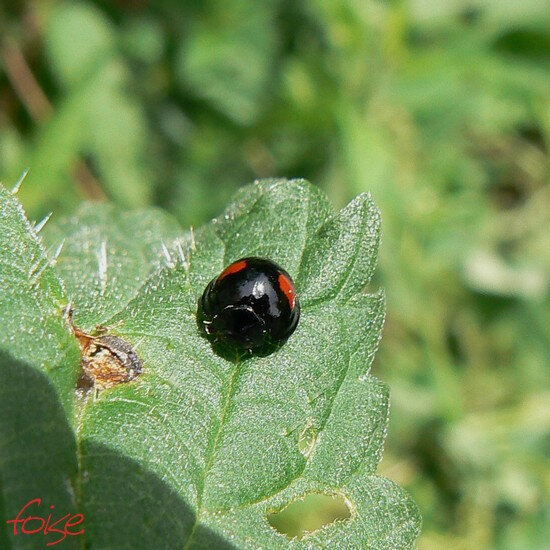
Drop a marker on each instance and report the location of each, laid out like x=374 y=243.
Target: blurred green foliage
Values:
x=440 y=108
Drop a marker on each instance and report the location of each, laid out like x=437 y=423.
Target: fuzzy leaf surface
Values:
x=200 y=449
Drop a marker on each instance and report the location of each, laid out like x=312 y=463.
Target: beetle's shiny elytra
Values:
x=250 y=305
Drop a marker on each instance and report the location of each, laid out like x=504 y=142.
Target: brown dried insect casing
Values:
x=110 y=360
x=106 y=361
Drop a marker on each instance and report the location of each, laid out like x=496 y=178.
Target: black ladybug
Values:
x=252 y=304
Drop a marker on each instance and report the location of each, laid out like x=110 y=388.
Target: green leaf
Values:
x=341 y=259
x=78 y=39
x=38 y=369
x=32 y=299
x=200 y=450
x=227 y=57
x=37 y=449
x=55 y=151
x=98 y=117
x=117 y=138
x=108 y=255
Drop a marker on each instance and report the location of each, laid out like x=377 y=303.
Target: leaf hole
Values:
x=310 y=513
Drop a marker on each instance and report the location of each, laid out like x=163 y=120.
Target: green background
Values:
x=440 y=108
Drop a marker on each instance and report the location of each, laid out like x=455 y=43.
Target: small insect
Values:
x=250 y=305
x=106 y=360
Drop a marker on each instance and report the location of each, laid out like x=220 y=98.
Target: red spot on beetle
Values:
x=288 y=289
x=233 y=268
